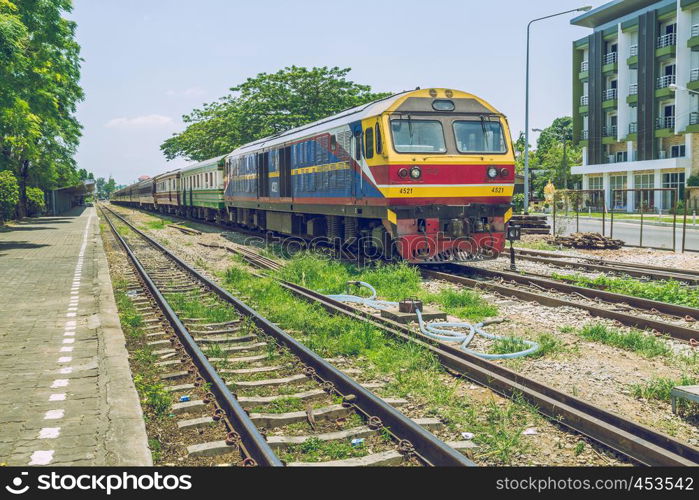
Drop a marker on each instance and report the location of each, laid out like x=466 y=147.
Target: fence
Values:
x=658 y=218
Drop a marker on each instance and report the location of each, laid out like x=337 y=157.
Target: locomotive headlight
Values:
x=415 y=173
x=403 y=173
x=504 y=172
x=492 y=172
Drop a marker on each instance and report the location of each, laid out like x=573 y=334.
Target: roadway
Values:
x=629 y=232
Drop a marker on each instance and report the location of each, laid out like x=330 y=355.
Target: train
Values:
x=424 y=176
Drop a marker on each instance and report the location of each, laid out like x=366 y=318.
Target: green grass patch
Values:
x=189 y=305
x=392 y=282
x=636 y=341
x=411 y=370
x=155 y=224
x=315 y=450
x=660 y=387
x=672 y=292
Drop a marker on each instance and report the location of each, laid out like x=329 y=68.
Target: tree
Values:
x=265 y=105
x=109 y=187
x=35 y=201
x=556 y=152
x=39 y=92
x=9 y=194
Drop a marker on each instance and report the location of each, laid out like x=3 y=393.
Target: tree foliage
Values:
x=554 y=155
x=39 y=92
x=263 y=106
x=35 y=201
x=9 y=194
x=105 y=188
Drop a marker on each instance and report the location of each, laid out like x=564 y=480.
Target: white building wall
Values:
x=623 y=82
x=683 y=63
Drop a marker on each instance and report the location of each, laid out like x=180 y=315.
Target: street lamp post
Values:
x=526 y=112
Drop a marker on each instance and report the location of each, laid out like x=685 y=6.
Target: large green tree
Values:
x=39 y=92
x=265 y=105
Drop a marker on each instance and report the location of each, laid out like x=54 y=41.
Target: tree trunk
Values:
x=22 y=179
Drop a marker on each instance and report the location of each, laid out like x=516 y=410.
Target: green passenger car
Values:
x=201 y=189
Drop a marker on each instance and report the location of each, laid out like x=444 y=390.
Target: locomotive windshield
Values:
x=418 y=136
x=479 y=137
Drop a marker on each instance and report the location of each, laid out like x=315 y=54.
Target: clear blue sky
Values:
x=149 y=62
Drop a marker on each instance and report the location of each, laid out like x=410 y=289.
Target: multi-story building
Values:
x=636 y=99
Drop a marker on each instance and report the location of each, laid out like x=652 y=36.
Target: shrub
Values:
x=35 y=201
x=693 y=181
x=9 y=194
x=518 y=203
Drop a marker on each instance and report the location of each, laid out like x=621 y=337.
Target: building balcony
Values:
x=584 y=66
x=694 y=118
x=584 y=100
x=610 y=58
x=694 y=75
x=633 y=50
x=584 y=135
x=609 y=95
x=693 y=42
x=667 y=40
x=664 y=122
x=633 y=128
x=633 y=166
x=665 y=81
x=633 y=89
x=609 y=131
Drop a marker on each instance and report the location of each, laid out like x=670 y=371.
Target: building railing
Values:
x=666 y=81
x=694 y=118
x=695 y=30
x=667 y=40
x=694 y=75
x=633 y=128
x=633 y=89
x=609 y=131
x=584 y=100
x=584 y=66
x=609 y=94
x=584 y=135
x=610 y=58
x=633 y=50
x=665 y=122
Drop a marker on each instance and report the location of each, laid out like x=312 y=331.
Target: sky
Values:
x=147 y=63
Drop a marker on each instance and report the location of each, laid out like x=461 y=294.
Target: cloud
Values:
x=146 y=121
x=190 y=92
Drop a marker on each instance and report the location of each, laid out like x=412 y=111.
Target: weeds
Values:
x=154 y=397
x=673 y=292
x=660 y=387
x=636 y=341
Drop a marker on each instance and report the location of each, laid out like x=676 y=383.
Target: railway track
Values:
x=679 y=321
x=637 y=270
x=630 y=439
x=247 y=366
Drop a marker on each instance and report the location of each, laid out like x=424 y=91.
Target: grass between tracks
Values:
x=155 y=401
x=411 y=371
x=671 y=291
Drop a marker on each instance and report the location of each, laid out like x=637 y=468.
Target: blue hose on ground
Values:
x=443 y=330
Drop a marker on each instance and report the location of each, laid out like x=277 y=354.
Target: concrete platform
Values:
x=68 y=395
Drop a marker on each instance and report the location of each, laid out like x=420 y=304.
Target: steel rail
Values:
x=640 y=443
x=687 y=273
x=253 y=441
x=428 y=446
x=634 y=320
x=637 y=272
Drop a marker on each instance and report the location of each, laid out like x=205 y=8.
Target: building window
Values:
x=618 y=182
x=677 y=151
x=674 y=180
x=596 y=184
x=644 y=200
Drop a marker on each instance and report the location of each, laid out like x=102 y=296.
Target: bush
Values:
x=9 y=194
x=35 y=201
x=693 y=181
x=518 y=203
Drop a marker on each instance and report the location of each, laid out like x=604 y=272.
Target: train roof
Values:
x=166 y=174
x=355 y=114
x=202 y=164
